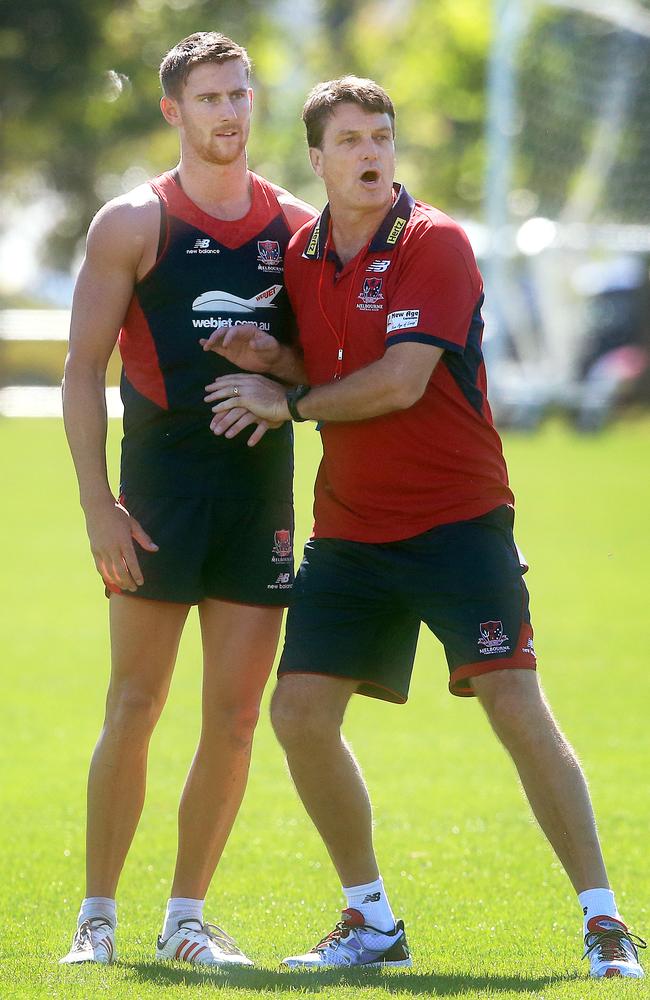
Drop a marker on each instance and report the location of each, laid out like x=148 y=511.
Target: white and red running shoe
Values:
x=353 y=943
x=611 y=949
x=201 y=944
x=94 y=941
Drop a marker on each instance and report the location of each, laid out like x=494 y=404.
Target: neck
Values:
x=352 y=230
x=221 y=190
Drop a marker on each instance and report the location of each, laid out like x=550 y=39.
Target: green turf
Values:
x=488 y=911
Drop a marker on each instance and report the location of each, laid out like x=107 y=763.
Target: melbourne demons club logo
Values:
x=268 y=253
x=371 y=290
x=282 y=547
x=492 y=637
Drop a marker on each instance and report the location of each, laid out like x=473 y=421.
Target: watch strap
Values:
x=293 y=398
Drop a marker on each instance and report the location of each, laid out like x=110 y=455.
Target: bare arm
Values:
x=116 y=248
x=394 y=382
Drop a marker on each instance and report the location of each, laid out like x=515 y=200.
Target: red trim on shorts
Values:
x=111 y=588
x=395 y=697
x=243 y=604
x=521 y=661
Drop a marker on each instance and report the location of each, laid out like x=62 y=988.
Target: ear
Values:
x=316 y=159
x=250 y=98
x=170 y=111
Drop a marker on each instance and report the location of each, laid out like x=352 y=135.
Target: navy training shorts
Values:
x=230 y=550
x=356 y=607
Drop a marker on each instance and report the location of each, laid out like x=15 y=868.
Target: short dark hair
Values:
x=325 y=97
x=202 y=47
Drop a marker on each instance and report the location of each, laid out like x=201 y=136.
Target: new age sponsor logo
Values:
x=404 y=319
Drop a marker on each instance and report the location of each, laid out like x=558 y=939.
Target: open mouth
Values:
x=370 y=176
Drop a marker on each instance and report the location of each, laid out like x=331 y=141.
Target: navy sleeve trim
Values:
x=423 y=338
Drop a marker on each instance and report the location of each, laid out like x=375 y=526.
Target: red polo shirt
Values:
x=396 y=476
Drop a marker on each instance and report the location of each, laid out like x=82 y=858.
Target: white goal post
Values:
x=567 y=183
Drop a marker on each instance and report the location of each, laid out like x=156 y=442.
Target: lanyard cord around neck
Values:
x=340 y=338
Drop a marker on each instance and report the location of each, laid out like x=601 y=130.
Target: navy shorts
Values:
x=231 y=550
x=356 y=607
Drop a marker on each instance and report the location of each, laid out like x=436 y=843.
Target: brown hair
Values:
x=202 y=47
x=325 y=97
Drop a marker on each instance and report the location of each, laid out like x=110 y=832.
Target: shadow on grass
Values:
x=267 y=981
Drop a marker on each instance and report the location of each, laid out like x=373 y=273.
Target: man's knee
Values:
x=514 y=703
x=233 y=723
x=131 y=709
x=300 y=714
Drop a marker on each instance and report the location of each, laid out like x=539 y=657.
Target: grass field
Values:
x=488 y=911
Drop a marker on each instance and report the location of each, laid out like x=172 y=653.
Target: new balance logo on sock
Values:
x=371 y=897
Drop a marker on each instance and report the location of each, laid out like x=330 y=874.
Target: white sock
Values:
x=597 y=903
x=181 y=908
x=372 y=902
x=98 y=906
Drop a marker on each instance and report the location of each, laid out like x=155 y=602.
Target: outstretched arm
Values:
x=394 y=382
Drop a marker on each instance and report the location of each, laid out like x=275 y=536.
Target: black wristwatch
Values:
x=293 y=398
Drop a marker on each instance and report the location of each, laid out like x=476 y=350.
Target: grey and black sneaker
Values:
x=94 y=941
x=611 y=949
x=355 y=944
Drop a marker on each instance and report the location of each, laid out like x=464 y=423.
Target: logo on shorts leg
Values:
x=282 y=547
x=283 y=582
x=492 y=638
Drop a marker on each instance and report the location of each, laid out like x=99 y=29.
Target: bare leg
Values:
x=307 y=712
x=144 y=642
x=239 y=643
x=549 y=770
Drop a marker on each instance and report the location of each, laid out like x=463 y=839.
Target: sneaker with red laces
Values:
x=201 y=944
x=611 y=949
x=353 y=943
x=94 y=941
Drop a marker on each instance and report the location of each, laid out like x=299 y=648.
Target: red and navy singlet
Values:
x=209 y=273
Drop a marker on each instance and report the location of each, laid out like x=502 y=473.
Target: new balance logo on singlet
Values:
x=202 y=246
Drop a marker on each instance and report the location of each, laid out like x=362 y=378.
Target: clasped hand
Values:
x=253 y=350
x=242 y=400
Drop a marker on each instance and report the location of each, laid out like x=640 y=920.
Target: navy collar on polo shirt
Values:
x=385 y=239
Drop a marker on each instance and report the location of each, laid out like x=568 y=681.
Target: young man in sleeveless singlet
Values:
x=199 y=520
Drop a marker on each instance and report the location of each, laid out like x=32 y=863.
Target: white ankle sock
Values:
x=181 y=908
x=372 y=902
x=98 y=906
x=597 y=903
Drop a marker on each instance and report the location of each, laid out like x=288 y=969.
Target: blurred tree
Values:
x=79 y=103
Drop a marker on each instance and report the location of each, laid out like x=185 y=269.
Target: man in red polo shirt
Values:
x=413 y=518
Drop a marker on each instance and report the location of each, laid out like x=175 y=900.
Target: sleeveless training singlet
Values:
x=209 y=273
